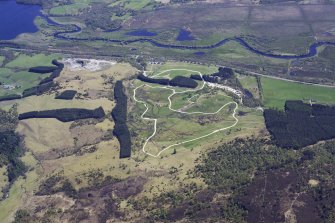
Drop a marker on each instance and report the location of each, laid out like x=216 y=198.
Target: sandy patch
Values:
x=76 y=64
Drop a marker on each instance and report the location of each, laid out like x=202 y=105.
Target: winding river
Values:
x=72 y=29
x=312 y=51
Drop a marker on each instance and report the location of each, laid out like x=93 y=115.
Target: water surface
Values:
x=16 y=19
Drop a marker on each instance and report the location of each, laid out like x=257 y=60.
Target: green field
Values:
x=72 y=9
x=276 y=92
x=14 y=75
x=27 y=61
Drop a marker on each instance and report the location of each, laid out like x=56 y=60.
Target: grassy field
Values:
x=249 y=83
x=276 y=92
x=72 y=9
x=27 y=61
x=15 y=73
x=157 y=68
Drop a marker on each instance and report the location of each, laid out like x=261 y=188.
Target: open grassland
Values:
x=20 y=80
x=71 y=9
x=27 y=61
x=276 y=92
x=154 y=69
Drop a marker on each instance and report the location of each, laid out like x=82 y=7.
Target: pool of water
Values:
x=184 y=35
x=16 y=19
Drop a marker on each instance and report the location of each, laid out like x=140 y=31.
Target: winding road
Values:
x=174 y=92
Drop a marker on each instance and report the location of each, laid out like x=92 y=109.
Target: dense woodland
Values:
x=300 y=124
x=119 y=115
x=65 y=114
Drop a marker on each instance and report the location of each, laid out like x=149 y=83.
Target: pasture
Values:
x=276 y=92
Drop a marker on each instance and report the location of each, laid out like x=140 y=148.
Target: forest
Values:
x=66 y=95
x=178 y=81
x=65 y=114
x=119 y=115
x=300 y=124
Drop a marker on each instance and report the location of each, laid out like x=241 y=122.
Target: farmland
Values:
x=276 y=92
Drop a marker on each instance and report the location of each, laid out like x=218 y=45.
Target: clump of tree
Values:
x=66 y=114
x=55 y=184
x=119 y=115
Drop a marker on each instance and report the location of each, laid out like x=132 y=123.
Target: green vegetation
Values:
x=15 y=77
x=10 y=149
x=27 y=61
x=72 y=9
x=276 y=92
